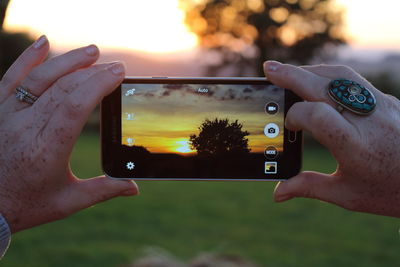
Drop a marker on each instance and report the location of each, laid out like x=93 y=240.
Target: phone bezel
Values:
x=111 y=128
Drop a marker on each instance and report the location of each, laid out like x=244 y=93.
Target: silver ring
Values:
x=24 y=95
x=339 y=108
x=352 y=96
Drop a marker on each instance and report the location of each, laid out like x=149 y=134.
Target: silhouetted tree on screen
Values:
x=244 y=33
x=220 y=137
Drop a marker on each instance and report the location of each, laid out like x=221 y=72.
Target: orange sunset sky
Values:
x=164 y=116
x=157 y=25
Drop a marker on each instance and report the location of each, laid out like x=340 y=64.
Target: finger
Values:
x=68 y=119
x=345 y=72
x=80 y=102
x=88 y=192
x=335 y=72
x=307 y=85
x=32 y=56
x=45 y=106
x=306 y=184
x=316 y=185
x=41 y=77
x=326 y=125
x=338 y=72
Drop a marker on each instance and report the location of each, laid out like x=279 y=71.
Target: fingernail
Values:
x=282 y=198
x=130 y=192
x=91 y=50
x=271 y=66
x=117 y=68
x=40 y=42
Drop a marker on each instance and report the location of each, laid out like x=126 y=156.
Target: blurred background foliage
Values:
x=237 y=36
x=241 y=35
x=235 y=218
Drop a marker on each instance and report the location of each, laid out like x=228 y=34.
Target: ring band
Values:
x=351 y=96
x=339 y=108
x=24 y=95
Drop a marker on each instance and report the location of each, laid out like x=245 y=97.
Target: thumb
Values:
x=87 y=192
x=309 y=185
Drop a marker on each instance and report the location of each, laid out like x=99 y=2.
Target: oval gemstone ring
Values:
x=352 y=96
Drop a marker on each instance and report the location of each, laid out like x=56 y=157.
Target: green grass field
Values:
x=188 y=218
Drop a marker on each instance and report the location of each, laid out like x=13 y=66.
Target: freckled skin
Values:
x=370 y=173
x=36 y=183
x=378 y=190
x=31 y=196
x=366 y=148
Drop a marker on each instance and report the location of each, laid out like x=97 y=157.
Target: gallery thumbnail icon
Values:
x=271 y=167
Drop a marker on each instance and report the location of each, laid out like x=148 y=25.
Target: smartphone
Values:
x=164 y=128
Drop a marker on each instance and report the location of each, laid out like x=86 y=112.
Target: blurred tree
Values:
x=11 y=44
x=240 y=35
x=219 y=137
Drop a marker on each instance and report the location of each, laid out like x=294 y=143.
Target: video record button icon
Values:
x=271 y=108
x=271 y=152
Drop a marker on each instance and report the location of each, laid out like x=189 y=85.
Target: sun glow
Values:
x=372 y=24
x=183 y=146
x=151 y=25
x=158 y=25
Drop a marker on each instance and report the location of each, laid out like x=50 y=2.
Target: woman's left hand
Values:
x=37 y=185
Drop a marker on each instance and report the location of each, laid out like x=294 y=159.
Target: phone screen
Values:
x=202 y=130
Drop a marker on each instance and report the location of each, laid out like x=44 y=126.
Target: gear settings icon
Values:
x=130 y=165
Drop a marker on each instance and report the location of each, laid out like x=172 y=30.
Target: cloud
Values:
x=247 y=90
x=175 y=86
x=166 y=93
x=184 y=99
x=149 y=94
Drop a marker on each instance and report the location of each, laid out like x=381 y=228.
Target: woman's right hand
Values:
x=366 y=148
